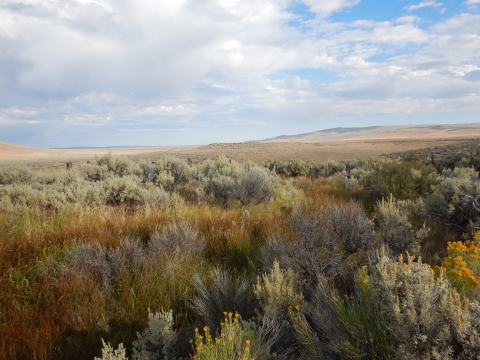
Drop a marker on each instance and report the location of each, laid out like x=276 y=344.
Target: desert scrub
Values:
x=333 y=240
x=224 y=292
x=15 y=174
x=236 y=340
x=279 y=289
x=452 y=204
x=395 y=230
x=408 y=179
x=403 y=310
x=157 y=341
x=462 y=266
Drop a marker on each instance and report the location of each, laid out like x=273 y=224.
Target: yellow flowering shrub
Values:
x=236 y=340
x=462 y=266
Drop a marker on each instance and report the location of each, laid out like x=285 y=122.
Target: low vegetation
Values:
x=375 y=258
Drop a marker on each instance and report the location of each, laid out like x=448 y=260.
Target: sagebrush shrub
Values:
x=395 y=230
x=15 y=174
x=255 y=186
x=177 y=239
x=109 y=353
x=279 y=289
x=178 y=168
x=157 y=341
x=334 y=241
x=225 y=293
x=451 y=203
x=90 y=260
x=409 y=179
x=402 y=310
x=123 y=191
x=236 y=340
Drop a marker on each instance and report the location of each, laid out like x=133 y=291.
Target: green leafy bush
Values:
x=409 y=179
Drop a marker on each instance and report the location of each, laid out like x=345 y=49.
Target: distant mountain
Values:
x=381 y=132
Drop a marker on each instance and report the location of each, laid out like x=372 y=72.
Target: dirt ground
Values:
x=383 y=142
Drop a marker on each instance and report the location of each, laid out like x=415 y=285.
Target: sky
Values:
x=191 y=72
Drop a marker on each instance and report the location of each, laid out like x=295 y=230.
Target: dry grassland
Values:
x=341 y=146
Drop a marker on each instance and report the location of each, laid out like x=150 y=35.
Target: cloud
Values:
x=324 y=8
x=428 y=3
x=88 y=72
x=472 y=2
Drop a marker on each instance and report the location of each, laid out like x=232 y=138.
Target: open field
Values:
x=150 y=256
x=337 y=144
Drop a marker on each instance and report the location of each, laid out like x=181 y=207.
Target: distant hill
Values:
x=383 y=132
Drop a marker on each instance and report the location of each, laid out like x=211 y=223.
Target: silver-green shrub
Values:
x=157 y=341
x=255 y=186
x=451 y=204
x=279 y=289
x=178 y=168
x=177 y=239
x=85 y=193
x=91 y=261
x=395 y=230
x=123 y=191
x=109 y=353
x=403 y=310
x=94 y=172
x=15 y=174
x=334 y=241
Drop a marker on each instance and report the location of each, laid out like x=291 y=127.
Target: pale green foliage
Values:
x=123 y=190
x=403 y=311
x=15 y=198
x=93 y=172
x=451 y=204
x=156 y=342
x=395 y=230
x=177 y=168
x=108 y=353
x=279 y=289
x=297 y=167
x=121 y=166
x=222 y=179
x=15 y=174
x=86 y=194
x=165 y=180
x=177 y=239
x=409 y=179
x=156 y=197
x=255 y=186
x=330 y=167
x=424 y=313
x=118 y=181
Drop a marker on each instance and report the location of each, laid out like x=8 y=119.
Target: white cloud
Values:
x=428 y=3
x=327 y=7
x=472 y=2
x=201 y=64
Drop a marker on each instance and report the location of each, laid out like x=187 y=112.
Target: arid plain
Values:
x=336 y=144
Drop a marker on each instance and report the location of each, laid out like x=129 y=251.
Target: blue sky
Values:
x=179 y=72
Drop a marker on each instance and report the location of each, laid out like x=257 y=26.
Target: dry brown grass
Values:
x=42 y=317
x=386 y=141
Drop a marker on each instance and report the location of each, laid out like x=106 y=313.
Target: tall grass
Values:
x=43 y=314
